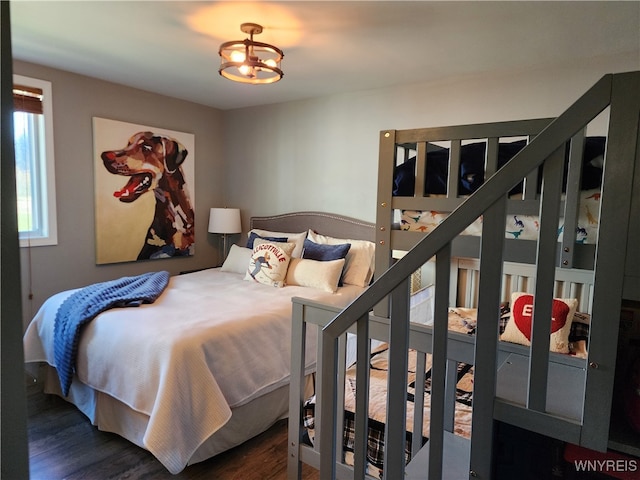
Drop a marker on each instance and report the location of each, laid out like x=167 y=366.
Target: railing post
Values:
x=384 y=216
x=329 y=406
x=395 y=431
x=486 y=348
x=362 y=398
x=545 y=281
x=439 y=363
x=298 y=340
x=622 y=152
x=572 y=200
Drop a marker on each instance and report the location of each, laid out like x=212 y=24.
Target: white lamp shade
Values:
x=224 y=220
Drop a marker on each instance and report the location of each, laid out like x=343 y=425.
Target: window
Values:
x=35 y=174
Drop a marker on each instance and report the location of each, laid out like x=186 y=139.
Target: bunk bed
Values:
x=532 y=384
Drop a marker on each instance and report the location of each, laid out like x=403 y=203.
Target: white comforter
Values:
x=212 y=341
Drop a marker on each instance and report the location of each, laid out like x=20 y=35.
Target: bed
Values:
x=214 y=345
x=533 y=381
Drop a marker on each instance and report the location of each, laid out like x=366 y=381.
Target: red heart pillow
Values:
x=518 y=329
x=522 y=311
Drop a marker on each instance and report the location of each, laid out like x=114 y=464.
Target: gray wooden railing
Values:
x=620 y=92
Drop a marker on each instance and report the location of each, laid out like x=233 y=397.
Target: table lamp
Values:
x=225 y=221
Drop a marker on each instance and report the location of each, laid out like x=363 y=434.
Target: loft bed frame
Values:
x=512 y=383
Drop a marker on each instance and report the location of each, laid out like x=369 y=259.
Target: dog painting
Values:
x=143 y=205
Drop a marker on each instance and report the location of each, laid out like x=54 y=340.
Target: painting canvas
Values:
x=144 y=192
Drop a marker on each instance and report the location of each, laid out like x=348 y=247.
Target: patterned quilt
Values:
x=378 y=399
x=519 y=227
x=461 y=320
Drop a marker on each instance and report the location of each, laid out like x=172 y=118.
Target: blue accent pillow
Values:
x=253 y=236
x=324 y=252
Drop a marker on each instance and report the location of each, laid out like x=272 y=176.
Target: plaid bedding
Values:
x=462 y=320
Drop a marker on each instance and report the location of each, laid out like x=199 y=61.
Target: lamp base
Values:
x=225 y=252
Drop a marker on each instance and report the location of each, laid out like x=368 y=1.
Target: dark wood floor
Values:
x=64 y=445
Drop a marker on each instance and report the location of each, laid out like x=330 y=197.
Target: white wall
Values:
x=322 y=154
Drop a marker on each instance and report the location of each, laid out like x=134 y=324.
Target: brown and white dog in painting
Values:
x=153 y=162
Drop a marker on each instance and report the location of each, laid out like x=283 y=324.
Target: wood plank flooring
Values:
x=64 y=445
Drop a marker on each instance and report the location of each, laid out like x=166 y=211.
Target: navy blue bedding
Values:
x=471 y=174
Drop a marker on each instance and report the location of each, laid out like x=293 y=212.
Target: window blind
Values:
x=27 y=99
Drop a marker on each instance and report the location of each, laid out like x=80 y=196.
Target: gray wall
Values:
x=76 y=99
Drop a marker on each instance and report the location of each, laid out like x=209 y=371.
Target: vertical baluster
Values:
x=439 y=363
x=454 y=169
x=486 y=339
x=362 y=398
x=339 y=420
x=491 y=157
x=545 y=280
x=395 y=430
x=421 y=168
x=418 y=402
x=296 y=395
x=327 y=406
x=572 y=200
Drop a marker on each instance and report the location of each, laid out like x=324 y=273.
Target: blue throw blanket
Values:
x=85 y=304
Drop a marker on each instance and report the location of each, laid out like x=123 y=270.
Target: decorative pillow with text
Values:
x=269 y=262
x=297 y=238
x=518 y=328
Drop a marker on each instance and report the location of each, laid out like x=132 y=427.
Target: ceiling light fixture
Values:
x=248 y=61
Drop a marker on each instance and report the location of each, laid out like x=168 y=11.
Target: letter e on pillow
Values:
x=518 y=328
x=523 y=314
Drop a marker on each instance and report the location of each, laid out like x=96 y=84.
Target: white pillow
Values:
x=315 y=274
x=297 y=238
x=237 y=260
x=360 y=260
x=269 y=262
x=518 y=328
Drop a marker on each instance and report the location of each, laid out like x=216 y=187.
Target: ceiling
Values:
x=170 y=47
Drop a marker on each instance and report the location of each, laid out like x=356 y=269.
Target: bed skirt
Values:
x=111 y=415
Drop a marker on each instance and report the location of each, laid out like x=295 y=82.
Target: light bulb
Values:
x=244 y=69
x=271 y=63
x=237 y=56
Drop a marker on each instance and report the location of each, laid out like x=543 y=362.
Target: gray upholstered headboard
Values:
x=330 y=224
